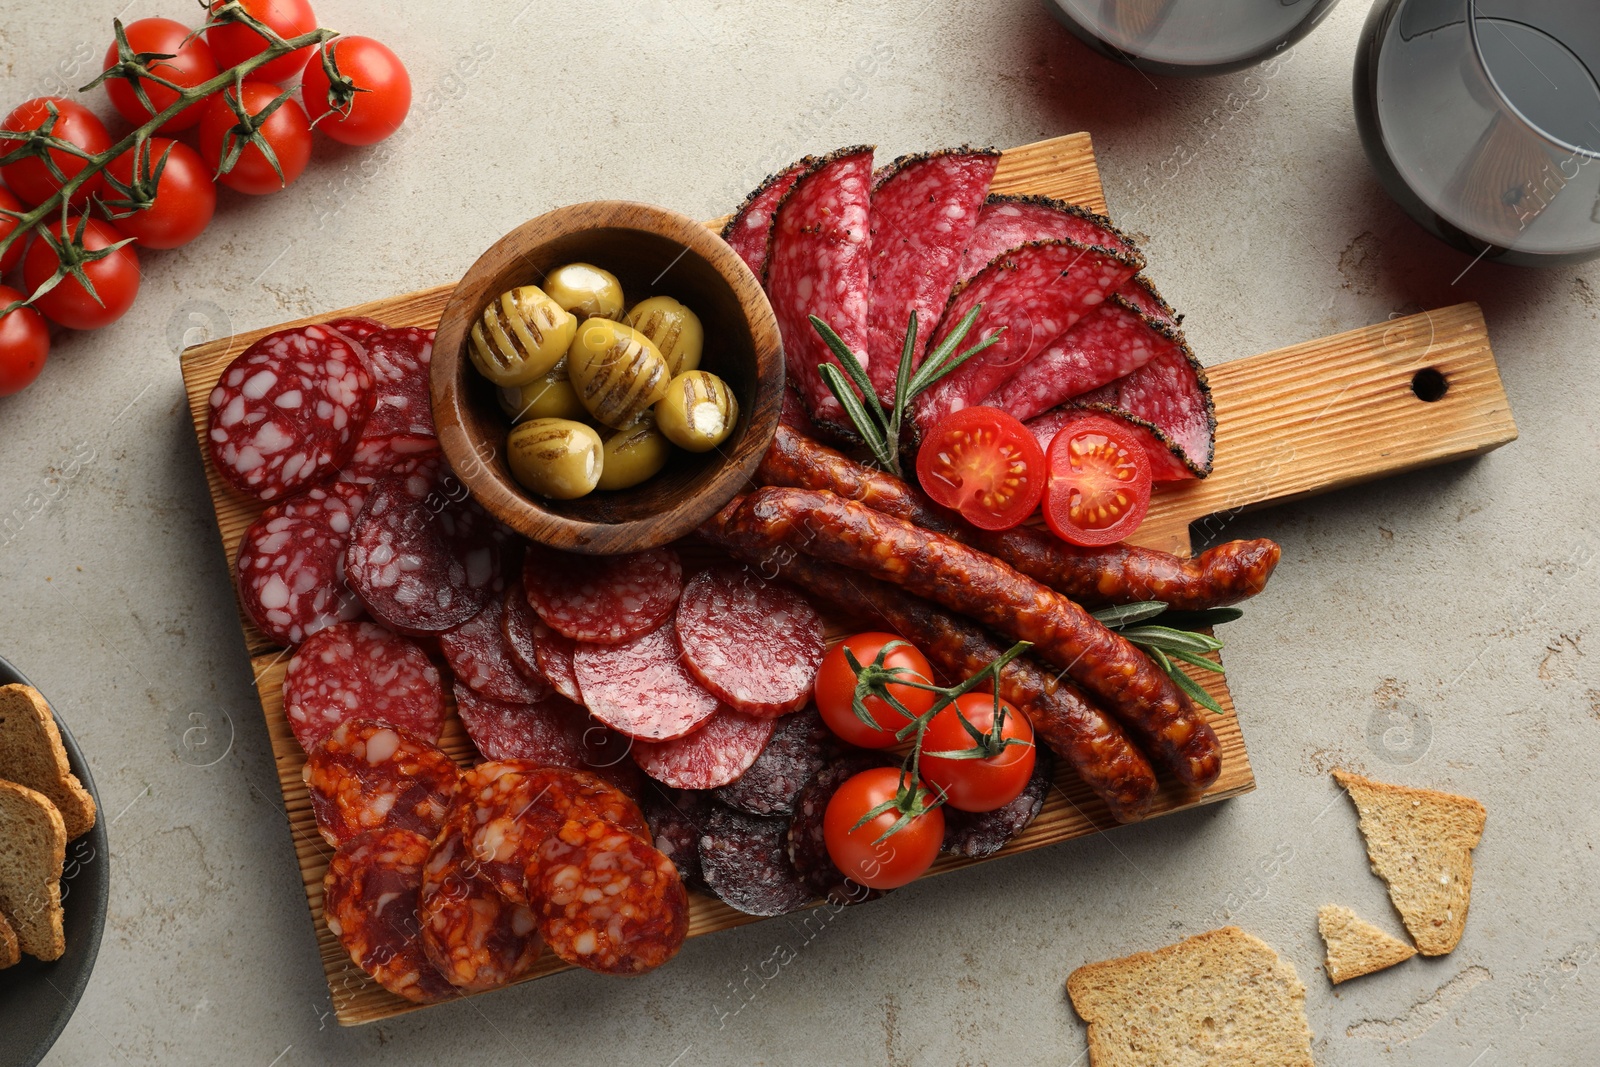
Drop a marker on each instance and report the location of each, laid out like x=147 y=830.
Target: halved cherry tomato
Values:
x=186 y=197
x=1099 y=486
x=191 y=64
x=836 y=686
x=377 y=104
x=13 y=253
x=29 y=177
x=981 y=783
x=286 y=131
x=894 y=862
x=233 y=43
x=984 y=463
x=24 y=343
x=115 y=277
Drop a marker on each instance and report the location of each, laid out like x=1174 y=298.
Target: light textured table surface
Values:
x=1438 y=629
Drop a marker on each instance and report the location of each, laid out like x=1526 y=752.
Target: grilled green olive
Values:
x=549 y=397
x=634 y=455
x=557 y=458
x=585 y=290
x=698 y=411
x=617 y=371
x=521 y=334
x=675 y=330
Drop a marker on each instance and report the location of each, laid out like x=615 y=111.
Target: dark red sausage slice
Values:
x=742 y=860
x=472 y=935
x=370 y=897
x=539 y=651
x=399 y=360
x=482 y=660
x=976 y=834
x=714 y=755
x=753 y=644
x=806 y=844
x=605 y=600
x=676 y=818
x=395 y=455
x=361 y=670
x=290 y=568
x=372 y=776
x=801 y=746
x=642 y=689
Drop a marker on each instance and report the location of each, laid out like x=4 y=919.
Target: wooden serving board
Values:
x=1291 y=423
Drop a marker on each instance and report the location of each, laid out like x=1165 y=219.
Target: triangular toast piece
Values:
x=1355 y=946
x=31 y=754
x=33 y=848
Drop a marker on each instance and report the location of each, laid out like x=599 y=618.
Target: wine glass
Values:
x=1189 y=37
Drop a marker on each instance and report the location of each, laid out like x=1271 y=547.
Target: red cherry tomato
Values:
x=115 y=278
x=191 y=64
x=286 y=131
x=13 y=253
x=984 y=783
x=186 y=197
x=24 y=343
x=358 y=117
x=29 y=177
x=836 y=686
x=234 y=42
x=984 y=463
x=894 y=862
x=1099 y=485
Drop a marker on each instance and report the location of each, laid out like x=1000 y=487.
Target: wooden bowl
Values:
x=653 y=252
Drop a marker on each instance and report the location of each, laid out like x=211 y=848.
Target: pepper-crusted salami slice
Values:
x=716 y=754
x=755 y=645
x=818 y=263
x=539 y=651
x=1169 y=399
x=1005 y=222
x=1143 y=296
x=422 y=564
x=472 y=935
x=924 y=208
x=288 y=411
x=606 y=600
x=608 y=901
x=361 y=670
x=801 y=746
x=806 y=844
x=744 y=864
x=677 y=817
x=369 y=901
x=641 y=688
x=290 y=568
x=481 y=658
x=369 y=775
x=1035 y=293
x=976 y=834
x=747 y=230
x=356 y=327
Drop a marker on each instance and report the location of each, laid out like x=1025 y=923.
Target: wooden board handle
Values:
x=1341 y=410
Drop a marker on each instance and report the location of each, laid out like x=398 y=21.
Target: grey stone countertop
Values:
x=1437 y=629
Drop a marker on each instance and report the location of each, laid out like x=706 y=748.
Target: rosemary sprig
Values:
x=1176 y=639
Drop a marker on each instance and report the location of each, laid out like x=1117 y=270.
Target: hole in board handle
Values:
x=1429 y=385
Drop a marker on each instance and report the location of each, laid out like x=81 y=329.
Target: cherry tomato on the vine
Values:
x=982 y=783
x=984 y=463
x=115 y=277
x=10 y=203
x=286 y=131
x=24 y=343
x=233 y=43
x=1099 y=486
x=30 y=178
x=836 y=686
x=377 y=104
x=900 y=858
x=185 y=195
x=191 y=64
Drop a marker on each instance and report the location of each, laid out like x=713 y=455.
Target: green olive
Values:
x=634 y=455
x=675 y=330
x=557 y=458
x=549 y=397
x=522 y=334
x=585 y=290
x=698 y=412
x=617 y=371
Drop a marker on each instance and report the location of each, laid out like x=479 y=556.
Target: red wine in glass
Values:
x=1482 y=120
x=1189 y=37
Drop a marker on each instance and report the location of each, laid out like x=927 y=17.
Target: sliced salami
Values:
x=753 y=644
x=794 y=413
x=361 y=671
x=1143 y=296
x=395 y=455
x=677 y=817
x=290 y=569
x=1007 y=222
x=288 y=411
x=539 y=651
x=806 y=844
x=818 y=263
x=1168 y=399
x=399 y=360
x=976 y=834
x=747 y=229
x=422 y=564
x=641 y=688
x=356 y=327
x=1035 y=294
x=608 y=901
x=801 y=746
x=743 y=862
x=472 y=935
x=924 y=208
x=714 y=755
x=547 y=731
x=606 y=600
x=369 y=775
x=482 y=660
x=370 y=897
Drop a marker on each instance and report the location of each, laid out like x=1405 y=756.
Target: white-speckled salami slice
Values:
x=472 y=934
x=399 y=360
x=801 y=746
x=395 y=455
x=548 y=731
x=361 y=671
x=743 y=862
x=747 y=230
x=370 y=898
x=369 y=775
x=641 y=688
x=290 y=570
x=755 y=645
x=539 y=651
x=605 y=600
x=356 y=327
x=1006 y=222
x=481 y=658
x=288 y=411
x=714 y=755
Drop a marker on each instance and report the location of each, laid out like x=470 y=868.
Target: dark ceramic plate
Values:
x=37 y=999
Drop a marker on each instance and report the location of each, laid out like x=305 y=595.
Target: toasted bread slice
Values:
x=1420 y=843
x=1355 y=946
x=1220 y=999
x=31 y=754
x=33 y=848
x=10 y=951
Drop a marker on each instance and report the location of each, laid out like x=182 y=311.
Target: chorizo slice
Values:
x=472 y=934
x=369 y=775
x=370 y=899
